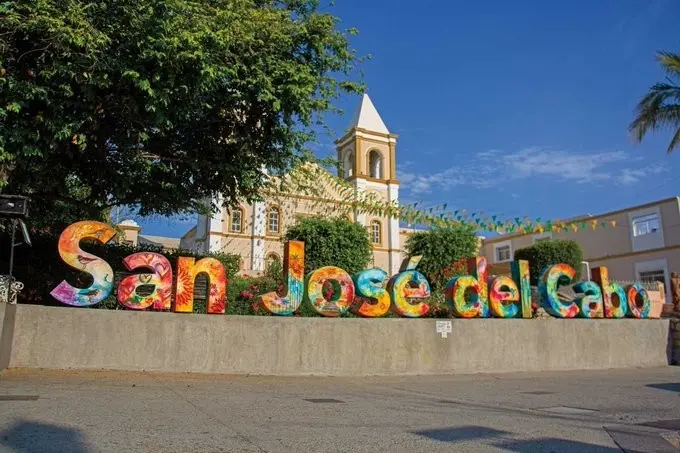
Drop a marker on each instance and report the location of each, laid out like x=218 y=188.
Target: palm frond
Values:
x=654 y=114
x=660 y=93
x=675 y=141
x=670 y=62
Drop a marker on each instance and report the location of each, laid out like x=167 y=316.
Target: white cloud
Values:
x=493 y=167
x=443 y=180
x=633 y=175
x=577 y=167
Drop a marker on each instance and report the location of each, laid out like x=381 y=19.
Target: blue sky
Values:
x=514 y=108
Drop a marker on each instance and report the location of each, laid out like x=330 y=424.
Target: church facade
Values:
x=367 y=157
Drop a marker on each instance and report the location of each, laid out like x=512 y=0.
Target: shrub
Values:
x=332 y=242
x=552 y=251
x=444 y=251
x=243 y=294
x=274 y=269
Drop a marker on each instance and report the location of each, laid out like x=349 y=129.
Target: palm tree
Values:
x=660 y=108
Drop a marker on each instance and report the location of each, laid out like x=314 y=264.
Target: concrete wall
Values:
x=62 y=338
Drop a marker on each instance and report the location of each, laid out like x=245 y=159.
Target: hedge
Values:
x=444 y=252
x=548 y=252
x=332 y=242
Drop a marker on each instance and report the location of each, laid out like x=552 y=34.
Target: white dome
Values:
x=129 y=222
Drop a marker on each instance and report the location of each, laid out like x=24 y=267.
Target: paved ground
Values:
x=582 y=412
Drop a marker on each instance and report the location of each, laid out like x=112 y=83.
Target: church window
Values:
x=375 y=164
x=376 y=232
x=237 y=220
x=273 y=220
x=348 y=165
x=272 y=258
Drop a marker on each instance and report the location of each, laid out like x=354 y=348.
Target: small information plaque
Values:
x=444 y=328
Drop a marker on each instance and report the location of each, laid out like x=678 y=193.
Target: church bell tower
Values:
x=367 y=160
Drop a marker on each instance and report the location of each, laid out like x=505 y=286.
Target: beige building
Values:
x=644 y=244
x=367 y=157
x=131 y=234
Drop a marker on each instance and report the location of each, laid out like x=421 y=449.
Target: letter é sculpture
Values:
x=407 y=285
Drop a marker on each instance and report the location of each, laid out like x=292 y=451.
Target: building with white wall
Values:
x=367 y=157
x=643 y=244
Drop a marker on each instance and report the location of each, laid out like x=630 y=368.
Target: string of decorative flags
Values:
x=439 y=216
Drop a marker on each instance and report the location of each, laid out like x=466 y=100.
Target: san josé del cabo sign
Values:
x=469 y=296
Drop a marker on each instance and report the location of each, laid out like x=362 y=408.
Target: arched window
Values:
x=272 y=258
x=348 y=165
x=376 y=232
x=375 y=164
x=236 y=223
x=274 y=220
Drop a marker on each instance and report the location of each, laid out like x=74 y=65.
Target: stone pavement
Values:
x=634 y=410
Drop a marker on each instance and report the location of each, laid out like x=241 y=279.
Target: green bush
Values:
x=41 y=268
x=548 y=252
x=332 y=242
x=243 y=294
x=444 y=251
x=274 y=269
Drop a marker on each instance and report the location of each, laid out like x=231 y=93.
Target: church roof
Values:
x=367 y=117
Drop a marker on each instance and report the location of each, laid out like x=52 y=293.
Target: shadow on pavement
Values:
x=550 y=445
x=460 y=433
x=670 y=386
x=36 y=437
x=500 y=439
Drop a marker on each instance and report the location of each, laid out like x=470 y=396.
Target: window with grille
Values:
x=503 y=253
x=653 y=276
x=375 y=232
x=646 y=224
x=273 y=220
x=236 y=221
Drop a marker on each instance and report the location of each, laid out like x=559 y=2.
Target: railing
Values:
x=9 y=289
x=649 y=286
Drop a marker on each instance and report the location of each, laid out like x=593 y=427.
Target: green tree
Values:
x=660 y=108
x=548 y=252
x=443 y=251
x=161 y=104
x=332 y=242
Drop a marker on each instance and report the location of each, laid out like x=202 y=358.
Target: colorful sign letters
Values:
x=332 y=292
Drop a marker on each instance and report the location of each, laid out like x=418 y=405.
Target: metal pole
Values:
x=11 y=253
